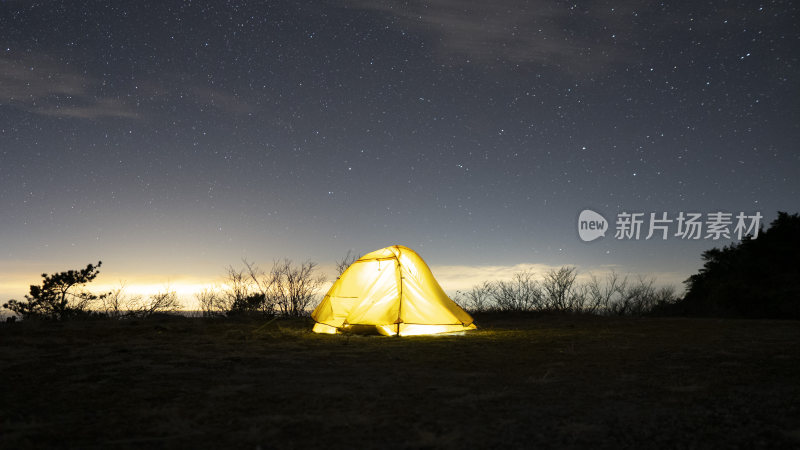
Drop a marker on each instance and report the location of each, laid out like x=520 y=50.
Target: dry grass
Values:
x=552 y=382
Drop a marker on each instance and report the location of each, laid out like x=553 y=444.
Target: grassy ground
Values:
x=549 y=382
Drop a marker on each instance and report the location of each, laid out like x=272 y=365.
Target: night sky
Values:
x=170 y=139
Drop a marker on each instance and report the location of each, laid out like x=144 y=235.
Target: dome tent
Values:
x=393 y=292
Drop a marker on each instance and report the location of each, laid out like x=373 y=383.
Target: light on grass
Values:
x=391 y=330
x=324 y=329
x=422 y=330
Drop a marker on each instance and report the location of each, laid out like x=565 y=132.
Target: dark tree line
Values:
x=757 y=278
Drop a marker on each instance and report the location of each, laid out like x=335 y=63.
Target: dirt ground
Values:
x=519 y=382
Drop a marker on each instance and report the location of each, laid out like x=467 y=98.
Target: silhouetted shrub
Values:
x=295 y=286
x=117 y=304
x=521 y=293
x=559 y=290
x=288 y=289
x=479 y=298
x=211 y=303
x=561 y=293
x=251 y=303
x=60 y=296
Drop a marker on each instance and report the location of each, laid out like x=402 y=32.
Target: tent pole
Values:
x=400 y=283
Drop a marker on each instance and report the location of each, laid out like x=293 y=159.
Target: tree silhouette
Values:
x=60 y=296
x=757 y=278
x=288 y=289
x=346 y=261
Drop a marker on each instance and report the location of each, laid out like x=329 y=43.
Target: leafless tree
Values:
x=560 y=292
x=265 y=284
x=666 y=295
x=161 y=302
x=237 y=284
x=211 y=302
x=295 y=286
x=137 y=306
x=635 y=298
x=521 y=293
x=239 y=293
x=602 y=294
x=115 y=304
x=118 y=304
x=346 y=262
x=478 y=298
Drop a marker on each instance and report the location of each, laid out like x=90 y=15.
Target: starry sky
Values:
x=173 y=138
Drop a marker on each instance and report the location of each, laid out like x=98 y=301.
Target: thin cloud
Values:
x=516 y=31
x=39 y=85
x=103 y=107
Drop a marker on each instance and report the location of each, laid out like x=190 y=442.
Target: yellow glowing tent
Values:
x=392 y=291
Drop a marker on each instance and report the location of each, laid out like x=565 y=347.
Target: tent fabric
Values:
x=393 y=291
